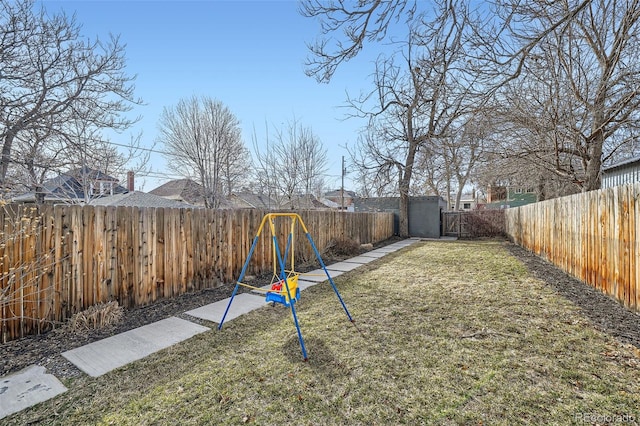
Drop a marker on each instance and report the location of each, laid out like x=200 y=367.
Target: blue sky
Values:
x=248 y=54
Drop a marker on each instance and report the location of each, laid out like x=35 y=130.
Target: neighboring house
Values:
x=303 y=202
x=467 y=202
x=191 y=192
x=249 y=200
x=622 y=173
x=182 y=190
x=337 y=197
x=333 y=205
x=74 y=187
x=139 y=199
x=503 y=197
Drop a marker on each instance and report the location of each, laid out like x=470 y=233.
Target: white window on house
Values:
x=530 y=190
x=466 y=206
x=101 y=188
x=518 y=191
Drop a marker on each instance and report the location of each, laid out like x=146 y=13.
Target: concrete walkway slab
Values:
x=242 y=303
x=317 y=275
x=386 y=250
x=26 y=388
x=105 y=355
x=303 y=284
x=401 y=245
x=361 y=260
x=333 y=272
x=374 y=254
x=342 y=267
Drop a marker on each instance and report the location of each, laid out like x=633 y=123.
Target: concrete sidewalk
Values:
x=100 y=357
x=32 y=385
x=27 y=388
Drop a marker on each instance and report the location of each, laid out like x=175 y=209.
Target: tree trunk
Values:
x=403 y=230
x=6 y=156
x=458 y=198
x=403 y=187
x=594 y=164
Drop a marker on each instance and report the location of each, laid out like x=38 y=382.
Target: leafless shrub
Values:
x=487 y=223
x=96 y=316
x=343 y=247
x=23 y=262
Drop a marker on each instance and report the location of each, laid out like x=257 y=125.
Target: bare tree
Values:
x=235 y=167
x=51 y=76
x=579 y=103
x=313 y=158
x=291 y=162
x=447 y=168
x=419 y=100
x=202 y=139
x=359 y=22
x=346 y=26
x=43 y=156
x=265 y=170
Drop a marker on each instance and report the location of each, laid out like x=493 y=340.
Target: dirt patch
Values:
x=46 y=349
x=604 y=312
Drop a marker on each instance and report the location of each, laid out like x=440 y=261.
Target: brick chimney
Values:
x=130 y=183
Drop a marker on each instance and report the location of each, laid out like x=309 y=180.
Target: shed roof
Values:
x=622 y=164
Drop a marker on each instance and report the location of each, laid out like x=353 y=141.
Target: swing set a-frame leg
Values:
x=292 y=301
x=235 y=289
x=335 y=289
x=283 y=274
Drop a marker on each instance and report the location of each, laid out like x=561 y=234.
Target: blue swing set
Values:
x=284 y=283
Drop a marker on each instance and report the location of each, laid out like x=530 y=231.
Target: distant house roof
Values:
x=76 y=185
x=185 y=190
x=138 y=199
x=331 y=204
x=89 y=173
x=243 y=200
x=308 y=202
x=338 y=193
x=336 y=197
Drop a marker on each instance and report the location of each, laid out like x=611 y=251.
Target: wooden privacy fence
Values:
x=594 y=236
x=57 y=261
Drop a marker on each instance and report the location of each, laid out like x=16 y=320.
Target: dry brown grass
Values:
x=447 y=333
x=343 y=247
x=96 y=316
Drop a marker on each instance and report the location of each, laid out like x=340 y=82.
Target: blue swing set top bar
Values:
x=281 y=262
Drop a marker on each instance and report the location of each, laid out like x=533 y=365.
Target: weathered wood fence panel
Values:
x=594 y=236
x=57 y=261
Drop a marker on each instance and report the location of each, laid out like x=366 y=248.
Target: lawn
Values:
x=446 y=333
